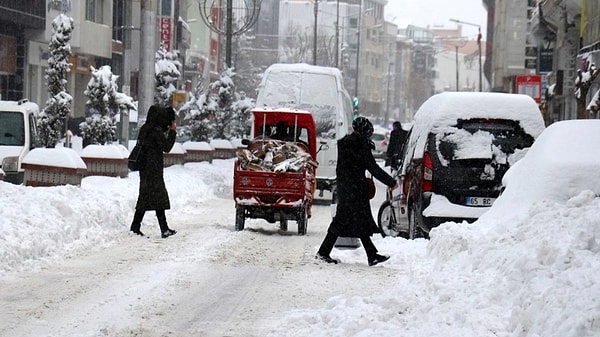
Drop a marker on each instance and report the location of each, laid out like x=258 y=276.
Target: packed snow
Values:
x=529 y=267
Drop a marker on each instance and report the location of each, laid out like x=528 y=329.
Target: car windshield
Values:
x=481 y=139
x=307 y=91
x=12 y=128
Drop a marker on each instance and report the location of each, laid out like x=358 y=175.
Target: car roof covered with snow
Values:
x=447 y=108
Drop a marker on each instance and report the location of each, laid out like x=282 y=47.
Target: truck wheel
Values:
x=302 y=220
x=283 y=225
x=239 y=218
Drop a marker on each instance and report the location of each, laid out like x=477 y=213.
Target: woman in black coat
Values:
x=353 y=216
x=153 y=192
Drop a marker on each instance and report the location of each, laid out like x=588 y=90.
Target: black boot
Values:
x=162 y=222
x=375 y=259
x=137 y=222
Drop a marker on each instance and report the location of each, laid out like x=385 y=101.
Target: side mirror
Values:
x=323 y=146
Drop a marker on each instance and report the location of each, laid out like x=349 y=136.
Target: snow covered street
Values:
x=70 y=268
x=208 y=280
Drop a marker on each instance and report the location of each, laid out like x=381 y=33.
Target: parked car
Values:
x=18 y=134
x=460 y=146
x=380 y=138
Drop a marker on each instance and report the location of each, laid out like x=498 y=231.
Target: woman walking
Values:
x=353 y=216
x=153 y=192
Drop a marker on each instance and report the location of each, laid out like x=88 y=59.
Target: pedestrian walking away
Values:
x=396 y=146
x=156 y=136
x=353 y=217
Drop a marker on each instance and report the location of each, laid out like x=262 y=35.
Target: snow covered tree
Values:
x=220 y=112
x=242 y=108
x=225 y=113
x=583 y=82
x=198 y=111
x=101 y=91
x=51 y=122
x=166 y=70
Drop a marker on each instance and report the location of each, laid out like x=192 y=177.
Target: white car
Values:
x=381 y=139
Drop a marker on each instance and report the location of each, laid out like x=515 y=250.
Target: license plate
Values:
x=480 y=201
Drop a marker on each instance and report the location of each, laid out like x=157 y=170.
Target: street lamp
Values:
x=478 y=46
x=315 y=34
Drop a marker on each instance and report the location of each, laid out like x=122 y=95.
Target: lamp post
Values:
x=478 y=46
x=358 y=47
x=315 y=34
x=337 y=34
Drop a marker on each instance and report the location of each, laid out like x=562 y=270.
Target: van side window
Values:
x=12 y=128
x=32 y=131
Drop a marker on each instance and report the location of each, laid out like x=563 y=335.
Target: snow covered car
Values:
x=460 y=147
x=319 y=90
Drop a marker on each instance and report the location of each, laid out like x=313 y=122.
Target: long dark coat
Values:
x=153 y=192
x=353 y=216
x=397 y=140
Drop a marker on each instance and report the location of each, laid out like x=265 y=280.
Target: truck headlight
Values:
x=10 y=164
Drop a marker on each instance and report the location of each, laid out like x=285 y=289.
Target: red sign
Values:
x=8 y=55
x=165 y=32
x=530 y=85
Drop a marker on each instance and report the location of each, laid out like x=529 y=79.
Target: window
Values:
x=12 y=128
x=94 y=10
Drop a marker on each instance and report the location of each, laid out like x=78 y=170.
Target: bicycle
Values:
x=390 y=211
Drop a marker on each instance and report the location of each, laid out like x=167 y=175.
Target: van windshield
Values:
x=316 y=93
x=12 y=128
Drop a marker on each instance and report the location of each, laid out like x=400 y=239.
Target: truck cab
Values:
x=18 y=135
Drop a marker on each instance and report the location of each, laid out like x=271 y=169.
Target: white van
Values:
x=18 y=134
x=319 y=90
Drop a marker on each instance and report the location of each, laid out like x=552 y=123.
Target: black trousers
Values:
x=330 y=239
x=139 y=216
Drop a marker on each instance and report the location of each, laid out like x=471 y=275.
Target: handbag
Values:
x=136 y=158
x=371 y=187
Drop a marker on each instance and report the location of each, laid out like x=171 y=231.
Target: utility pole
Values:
x=147 y=51
x=315 y=33
x=358 y=48
x=228 y=33
x=337 y=34
x=478 y=47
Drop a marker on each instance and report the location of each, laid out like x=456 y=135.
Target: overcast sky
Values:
x=438 y=12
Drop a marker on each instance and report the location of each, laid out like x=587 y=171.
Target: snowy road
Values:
x=208 y=280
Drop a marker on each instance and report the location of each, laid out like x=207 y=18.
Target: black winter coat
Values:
x=353 y=215
x=396 y=144
x=153 y=192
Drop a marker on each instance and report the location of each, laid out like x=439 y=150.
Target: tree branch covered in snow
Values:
x=585 y=77
x=58 y=106
x=220 y=112
x=166 y=70
x=104 y=101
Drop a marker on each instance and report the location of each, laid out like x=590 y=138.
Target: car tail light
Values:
x=427 y=174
